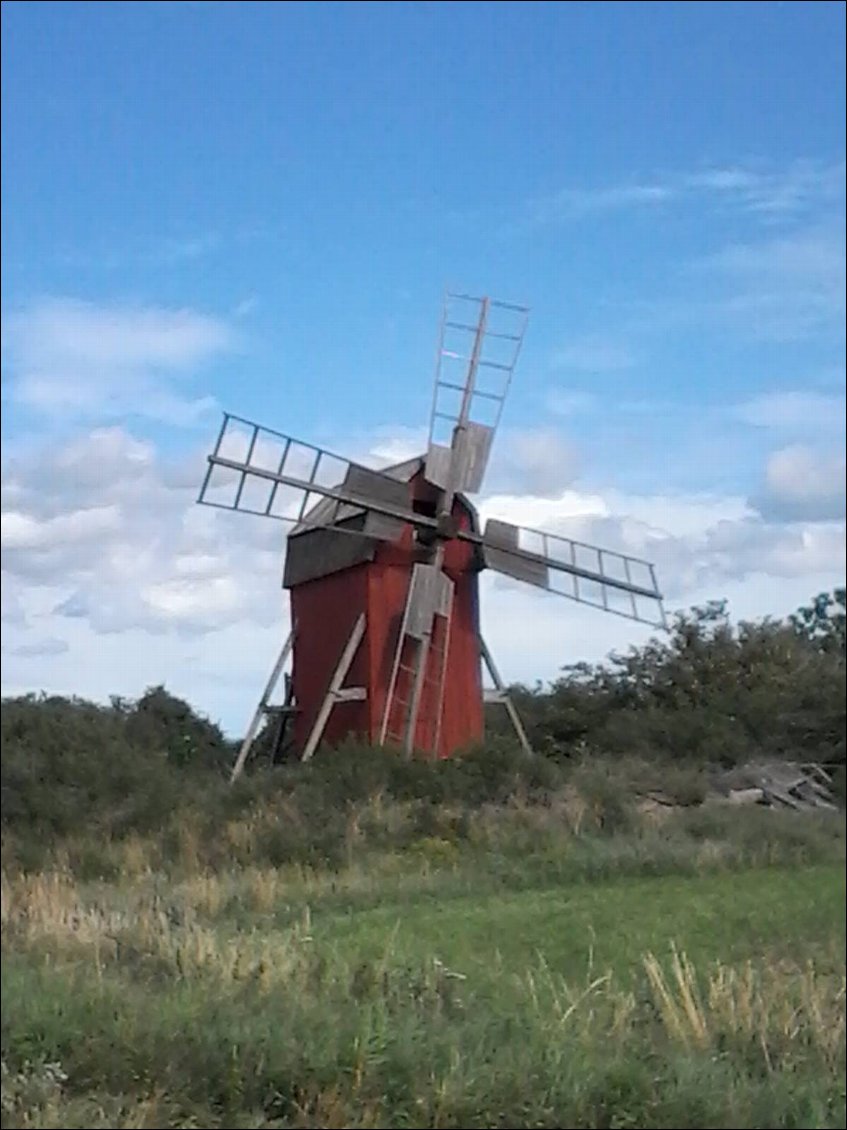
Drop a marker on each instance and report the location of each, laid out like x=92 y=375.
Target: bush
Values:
x=710 y=693
x=72 y=767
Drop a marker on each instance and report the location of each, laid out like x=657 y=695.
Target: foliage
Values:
x=824 y=622
x=70 y=766
x=159 y=721
x=710 y=692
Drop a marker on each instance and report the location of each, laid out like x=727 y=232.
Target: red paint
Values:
x=325 y=611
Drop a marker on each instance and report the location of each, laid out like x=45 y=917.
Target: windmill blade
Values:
x=256 y=470
x=615 y=582
x=479 y=343
x=430 y=595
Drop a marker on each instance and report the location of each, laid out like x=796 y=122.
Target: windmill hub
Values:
x=448 y=527
x=384 y=644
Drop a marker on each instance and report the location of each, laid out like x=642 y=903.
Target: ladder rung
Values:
x=491 y=302
x=486 y=333
x=488 y=364
x=476 y=392
x=464 y=297
x=509 y=306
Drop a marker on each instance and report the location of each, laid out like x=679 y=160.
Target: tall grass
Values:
x=588 y=819
x=133 y=1017
x=232 y=998
x=370 y=952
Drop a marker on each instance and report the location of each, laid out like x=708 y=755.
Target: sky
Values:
x=257 y=208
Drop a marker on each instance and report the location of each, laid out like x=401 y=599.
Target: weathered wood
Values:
x=746 y=796
x=504 y=697
x=262 y=708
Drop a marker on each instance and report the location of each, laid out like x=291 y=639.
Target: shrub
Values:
x=709 y=693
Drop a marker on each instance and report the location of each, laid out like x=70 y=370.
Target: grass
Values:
x=737 y=915
x=524 y=964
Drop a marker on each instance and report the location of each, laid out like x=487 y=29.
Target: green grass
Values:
x=795 y=913
x=632 y=980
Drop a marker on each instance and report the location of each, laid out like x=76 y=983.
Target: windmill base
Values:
x=338 y=693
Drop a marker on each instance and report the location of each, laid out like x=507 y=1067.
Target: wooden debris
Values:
x=746 y=796
x=782 y=784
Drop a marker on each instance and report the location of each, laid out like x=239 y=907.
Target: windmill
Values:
x=383 y=566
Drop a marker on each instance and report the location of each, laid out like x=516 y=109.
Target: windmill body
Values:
x=332 y=579
x=383 y=566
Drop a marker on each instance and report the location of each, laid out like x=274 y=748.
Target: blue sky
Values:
x=258 y=207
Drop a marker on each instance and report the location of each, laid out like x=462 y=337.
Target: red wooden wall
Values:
x=325 y=611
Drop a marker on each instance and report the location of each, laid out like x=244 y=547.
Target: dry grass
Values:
x=252 y=995
x=775 y=1007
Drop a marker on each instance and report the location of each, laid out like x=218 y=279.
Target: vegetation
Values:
x=710 y=692
x=494 y=941
x=260 y=998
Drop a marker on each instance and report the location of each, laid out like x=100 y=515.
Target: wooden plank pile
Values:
x=782 y=784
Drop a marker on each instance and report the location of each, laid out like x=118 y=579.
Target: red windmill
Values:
x=383 y=566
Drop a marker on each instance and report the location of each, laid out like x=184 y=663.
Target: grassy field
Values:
x=528 y=972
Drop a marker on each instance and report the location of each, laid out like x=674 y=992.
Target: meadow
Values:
x=522 y=967
x=490 y=942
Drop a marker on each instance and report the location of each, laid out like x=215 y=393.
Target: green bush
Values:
x=708 y=693
x=71 y=767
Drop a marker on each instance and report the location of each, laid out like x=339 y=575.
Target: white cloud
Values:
x=389 y=445
x=782 y=289
x=813 y=260
x=79 y=359
x=694 y=541
x=113 y=533
x=565 y=402
x=245 y=306
x=785 y=289
x=792 y=409
x=527 y=459
x=670 y=515
x=24 y=532
x=59 y=331
x=801 y=186
x=532 y=461
x=38 y=648
x=769 y=194
x=804 y=484
x=533 y=634
x=189 y=248
x=11 y=602
x=576 y=203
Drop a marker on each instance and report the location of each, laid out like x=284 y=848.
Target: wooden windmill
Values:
x=383 y=566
